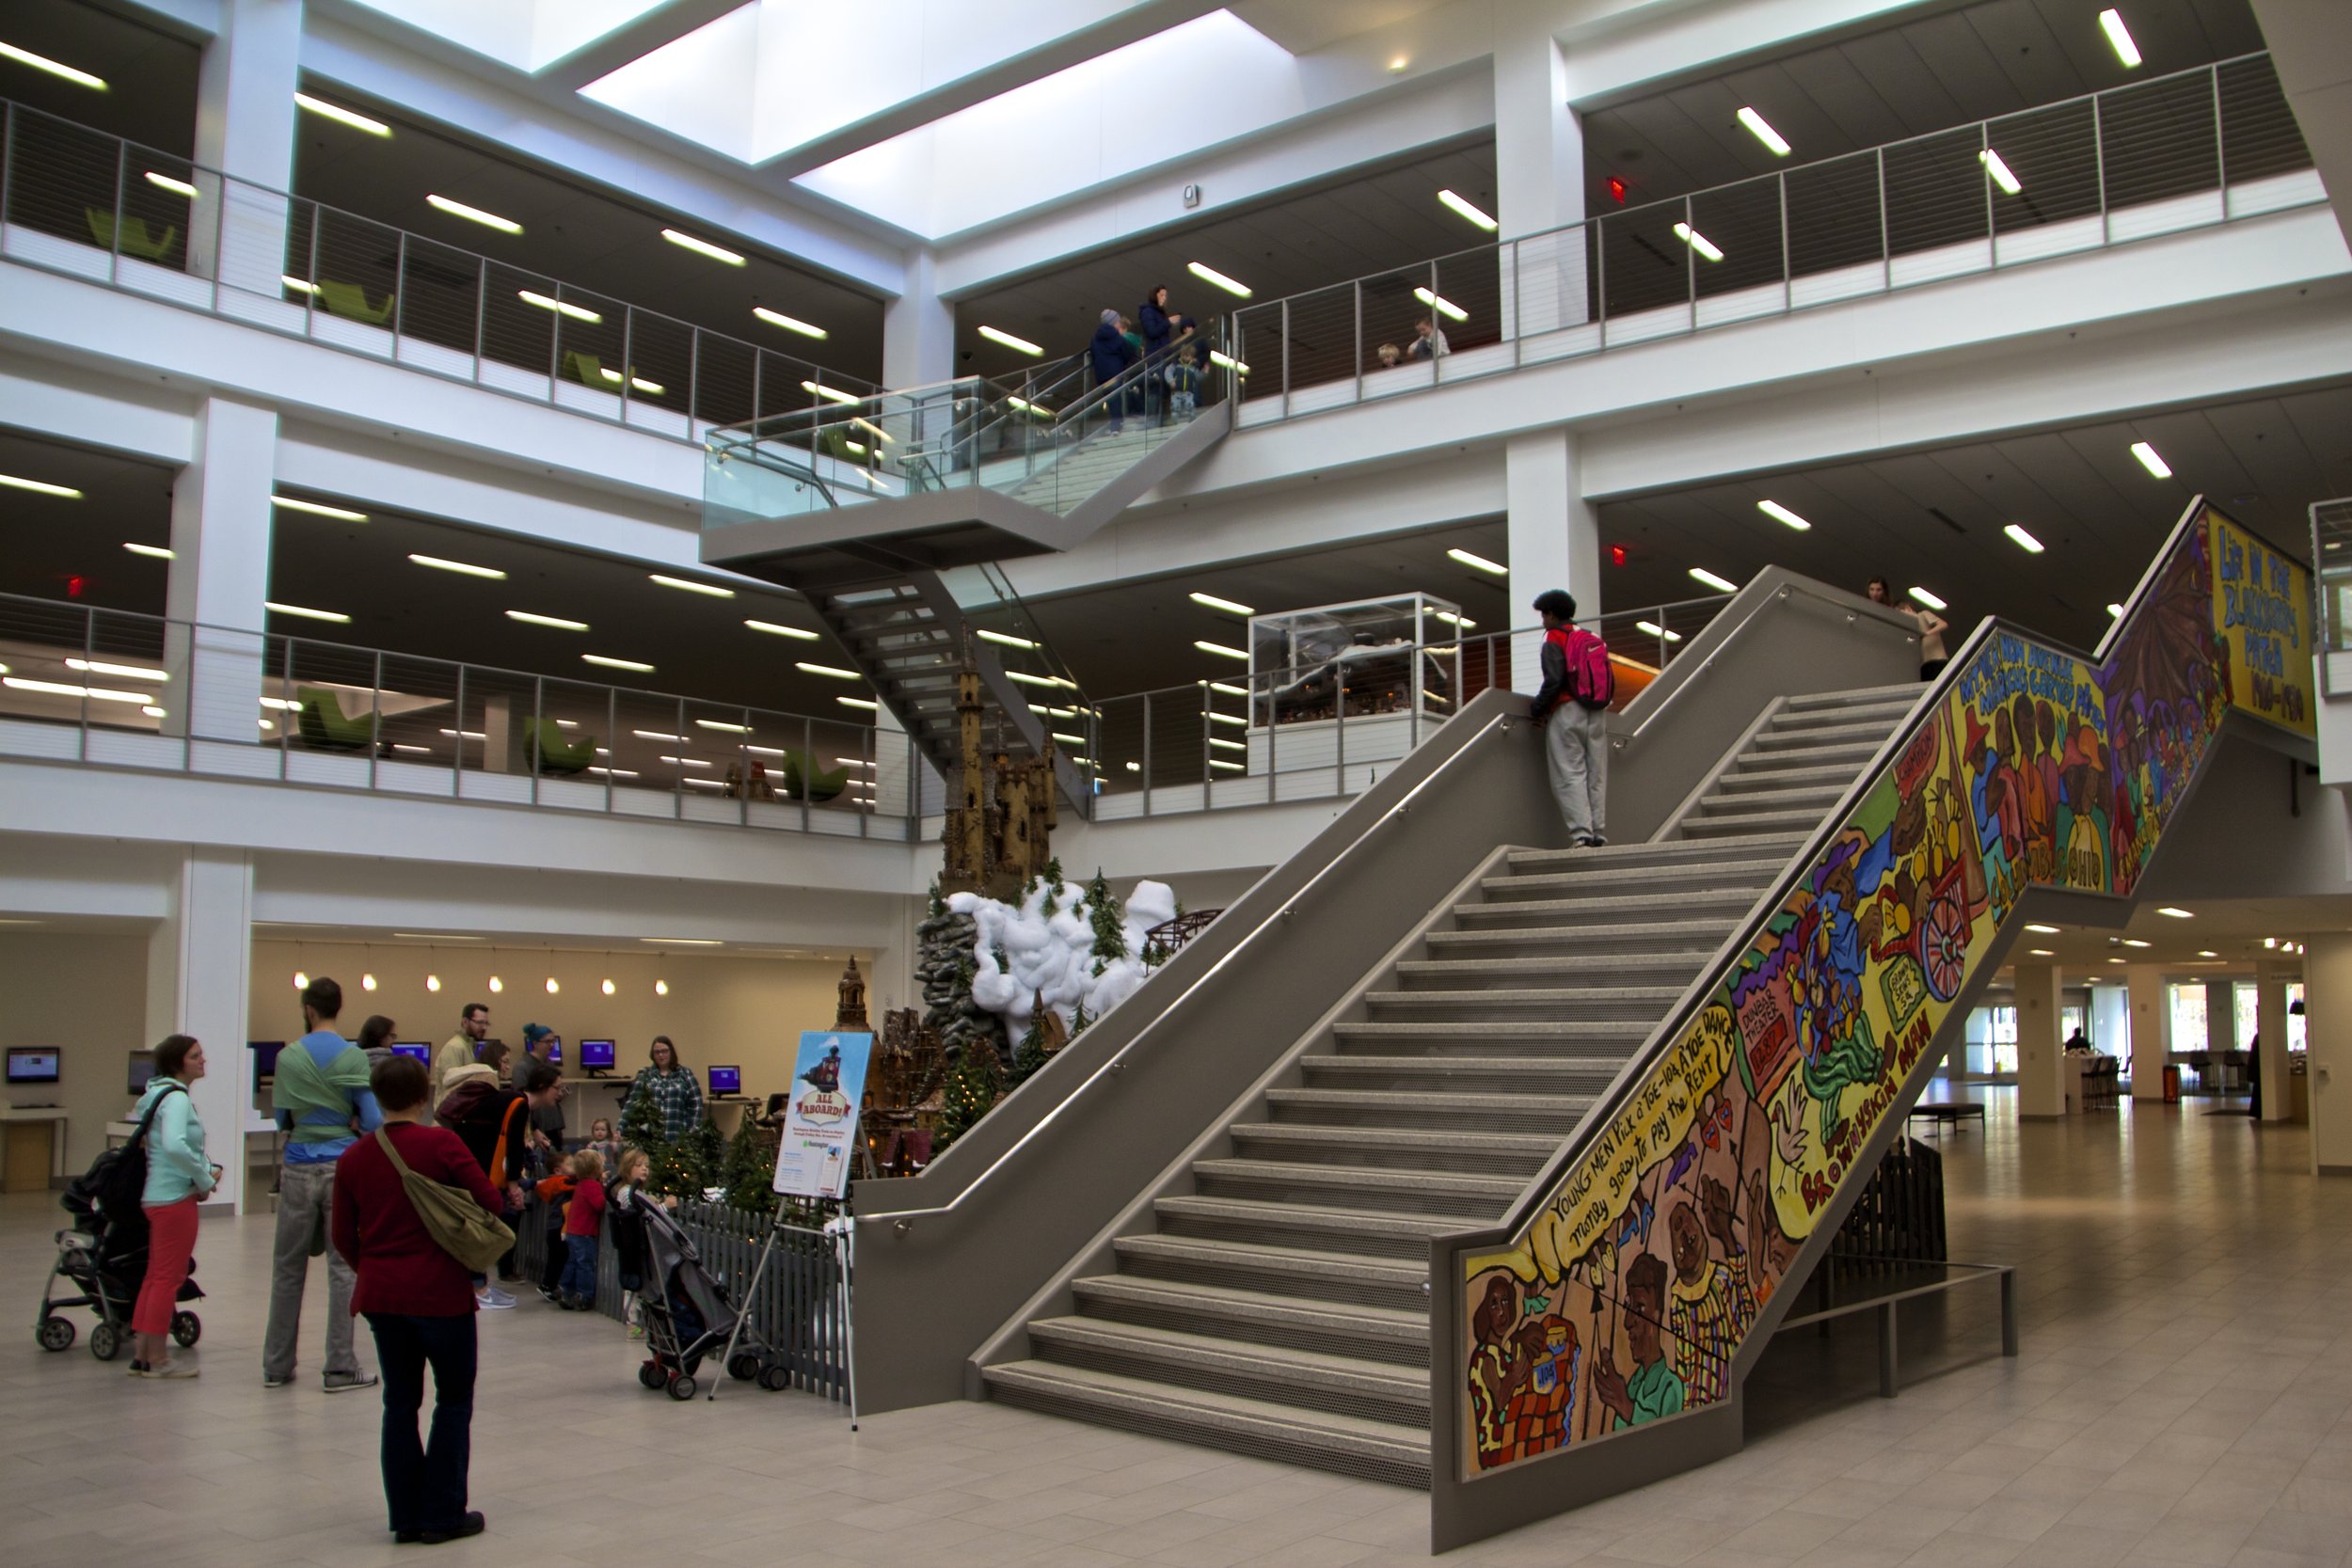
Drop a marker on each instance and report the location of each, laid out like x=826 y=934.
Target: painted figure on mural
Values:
x=1834 y=1030
x=1714 y=1299
x=2035 y=810
x=2082 y=814
x=1989 y=793
x=1541 y=1389
x=1490 y=1368
x=1651 y=1390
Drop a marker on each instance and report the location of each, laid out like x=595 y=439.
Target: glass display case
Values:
x=1351 y=684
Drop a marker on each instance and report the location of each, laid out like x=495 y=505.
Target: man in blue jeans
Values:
x=324 y=1103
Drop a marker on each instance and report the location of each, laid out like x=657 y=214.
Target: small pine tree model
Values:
x=938 y=904
x=705 y=1152
x=1029 y=1054
x=969 y=1093
x=748 y=1174
x=1110 y=922
x=1053 y=874
x=1078 y=1021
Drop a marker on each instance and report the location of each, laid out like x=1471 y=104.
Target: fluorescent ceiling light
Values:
x=298 y=285
x=466 y=735
x=2117 y=960
x=2115 y=610
x=473 y=214
x=1480 y=561
x=1441 y=304
x=686 y=762
x=1931 y=600
x=42 y=62
x=2111 y=22
x=791 y=324
x=1228 y=718
x=128 y=671
x=1070 y=739
x=831 y=394
x=561 y=306
x=712 y=589
x=866 y=702
x=723 y=725
x=653 y=388
x=1229 y=766
x=1999 y=171
x=1782 y=515
x=1220 y=650
x=1452 y=619
x=176 y=187
x=2024 y=541
x=281 y=705
x=1209 y=275
x=96 y=694
x=611 y=663
x=2270 y=942
x=1213 y=602
x=1764 y=132
x=1658 y=631
x=555 y=622
x=157 y=551
x=39 y=488
x=467 y=568
x=2134 y=941
x=1007 y=640
x=1028 y=679
x=1698 y=242
x=336 y=616
x=1219 y=740
x=342 y=115
x=995 y=336
x=1227 y=690
x=319 y=509
x=685 y=941
x=703 y=247
x=1027 y=407
x=657 y=734
x=152 y=712
x=774 y=630
x=846 y=762
x=2042 y=952
x=833 y=671
x=2207 y=953
x=1721 y=585
x=2043 y=930
x=2146 y=453
x=1217 y=356
x=1468 y=210
x=2176 y=912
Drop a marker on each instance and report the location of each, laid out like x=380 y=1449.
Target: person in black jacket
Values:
x=1161 y=329
x=1112 y=353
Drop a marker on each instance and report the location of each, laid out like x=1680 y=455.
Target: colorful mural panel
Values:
x=1628 y=1296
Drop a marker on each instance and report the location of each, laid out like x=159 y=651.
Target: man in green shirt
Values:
x=1651 y=1390
x=460 y=1049
x=319 y=1092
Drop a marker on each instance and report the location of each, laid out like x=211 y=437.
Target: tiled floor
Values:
x=2181 y=1399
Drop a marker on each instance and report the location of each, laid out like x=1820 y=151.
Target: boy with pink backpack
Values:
x=1573 y=709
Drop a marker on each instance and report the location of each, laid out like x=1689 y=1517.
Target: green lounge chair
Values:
x=324 y=726
x=132 y=236
x=798 y=779
x=350 y=301
x=551 y=752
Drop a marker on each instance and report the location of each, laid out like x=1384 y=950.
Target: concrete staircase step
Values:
x=1341 y=1328
x=1817 y=797
x=1553 y=1113
x=1704 y=875
x=1888 y=711
x=1849 y=755
x=1339 y=1186
x=1582 y=1074
x=1676 y=968
x=1695 y=939
x=1518 y=1040
x=1775 y=738
x=1598 y=1004
x=1402 y=1147
x=1304 y=1225
x=1654 y=853
x=1618 y=910
x=1863 y=696
x=1737 y=782
x=1708 y=825
x=1367 y=1280
x=1347 y=1386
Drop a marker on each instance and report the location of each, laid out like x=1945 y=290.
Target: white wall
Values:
x=84 y=993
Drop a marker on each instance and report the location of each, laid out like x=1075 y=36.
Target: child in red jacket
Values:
x=583 y=1222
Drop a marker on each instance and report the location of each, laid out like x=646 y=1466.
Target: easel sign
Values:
x=820 y=1133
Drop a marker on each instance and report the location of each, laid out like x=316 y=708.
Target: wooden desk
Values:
x=25 y=1124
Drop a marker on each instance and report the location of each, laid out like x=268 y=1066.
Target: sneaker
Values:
x=471 y=1525
x=173 y=1370
x=137 y=1369
x=269 y=1381
x=1596 y=841
x=493 y=1299
x=547 y=1295
x=345 y=1384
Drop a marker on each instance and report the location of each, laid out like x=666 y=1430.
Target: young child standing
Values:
x=583 y=1222
x=600 y=1138
x=1184 y=383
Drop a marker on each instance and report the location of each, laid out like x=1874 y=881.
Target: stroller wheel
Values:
x=186 y=1328
x=744 y=1368
x=54 y=1333
x=105 y=1342
x=774 y=1378
x=651 y=1375
x=682 y=1387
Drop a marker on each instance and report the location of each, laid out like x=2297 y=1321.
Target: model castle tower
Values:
x=999 y=830
x=850 y=1014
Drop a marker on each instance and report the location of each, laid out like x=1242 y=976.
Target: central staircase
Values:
x=1278 y=1302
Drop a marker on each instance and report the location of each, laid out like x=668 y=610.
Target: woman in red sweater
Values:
x=419 y=1301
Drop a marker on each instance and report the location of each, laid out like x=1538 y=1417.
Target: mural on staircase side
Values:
x=1628 y=1296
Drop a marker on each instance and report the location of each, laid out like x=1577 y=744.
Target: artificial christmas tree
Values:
x=748 y=1172
x=972 y=1087
x=1110 y=922
x=704 y=1154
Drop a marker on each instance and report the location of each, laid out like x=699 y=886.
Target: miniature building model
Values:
x=999 y=832
x=851 y=1012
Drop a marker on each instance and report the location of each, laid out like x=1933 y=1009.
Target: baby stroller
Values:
x=104 y=1260
x=688 y=1313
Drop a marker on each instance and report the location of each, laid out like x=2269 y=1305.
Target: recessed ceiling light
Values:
x=609 y=662
x=1220 y=650
x=336 y=616
x=467 y=568
x=1480 y=561
x=1999 y=171
x=1396 y=66
x=2176 y=913
x=833 y=671
x=2043 y=930
x=2207 y=953
x=867 y=703
x=1781 y=514
x=561 y=306
x=1654 y=629
x=995 y=334
x=2270 y=942
x=2134 y=941
x=42 y=62
x=1468 y=210
x=157 y=551
x=1764 y=132
x=1210 y=276
x=41 y=488
x=1213 y=602
x=712 y=589
x=128 y=671
x=96 y=694
x=684 y=942
x=342 y=115
x=1007 y=640
x=774 y=630
x=1698 y=242
x=473 y=214
x=2115 y=610
x=1441 y=304
x=2118 y=960
x=2148 y=456
x=319 y=509
x=702 y=248
x=831 y=394
x=555 y=622
x=2023 y=540
x=176 y=187
x=791 y=324
x=1721 y=585
x=2041 y=953
x=1925 y=597
x=2111 y=22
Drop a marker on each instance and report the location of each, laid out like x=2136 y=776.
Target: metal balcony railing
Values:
x=2331 y=566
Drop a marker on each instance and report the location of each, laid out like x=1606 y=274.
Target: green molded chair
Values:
x=551 y=752
x=132 y=236
x=324 y=726
x=350 y=301
x=799 y=780
x=835 y=442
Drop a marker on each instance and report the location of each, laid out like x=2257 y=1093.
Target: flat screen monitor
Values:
x=265 y=1058
x=555 y=1052
x=596 y=1053
x=32 y=1064
x=142 y=1069
x=726 y=1080
x=416 y=1051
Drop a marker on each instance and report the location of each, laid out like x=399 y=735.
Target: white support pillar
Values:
x=1539 y=188
x=1554 y=538
x=919 y=328
x=199 y=965
x=2327 y=1044
x=2042 y=1077
x=2150 y=1030
x=245 y=128
x=2270 y=1036
x=219 y=575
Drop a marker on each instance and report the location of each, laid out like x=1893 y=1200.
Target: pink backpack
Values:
x=1592 y=681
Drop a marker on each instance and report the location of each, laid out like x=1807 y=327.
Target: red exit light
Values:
x=1616 y=555
x=1616 y=189
x=75 y=587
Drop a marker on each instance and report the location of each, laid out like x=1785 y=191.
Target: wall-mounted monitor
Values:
x=726 y=1080
x=142 y=1069
x=596 y=1053
x=265 y=1058
x=416 y=1051
x=33 y=1064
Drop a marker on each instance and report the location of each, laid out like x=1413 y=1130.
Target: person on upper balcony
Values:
x=1112 y=352
x=1161 y=326
x=1428 y=342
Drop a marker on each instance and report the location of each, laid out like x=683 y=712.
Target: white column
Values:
x=2150 y=1030
x=919 y=328
x=2270 y=1036
x=245 y=128
x=200 y=982
x=2111 y=1022
x=219 y=575
x=2327 y=1044
x=1539 y=188
x=2041 y=1070
x=1554 y=538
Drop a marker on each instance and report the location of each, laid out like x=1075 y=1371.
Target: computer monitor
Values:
x=32 y=1064
x=142 y=1069
x=726 y=1080
x=416 y=1051
x=265 y=1058
x=596 y=1053
x=555 y=1052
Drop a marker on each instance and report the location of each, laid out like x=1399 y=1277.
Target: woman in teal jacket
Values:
x=178 y=1177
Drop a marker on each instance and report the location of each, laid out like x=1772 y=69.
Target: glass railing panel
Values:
x=2260 y=139
x=568 y=743
x=1937 y=206
x=420 y=745
x=441 y=303
x=843 y=778
x=2160 y=139
x=1258 y=336
x=1739 y=243
x=322 y=706
x=1386 y=349
x=2052 y=156
x=1836 y=234
x=653 y=753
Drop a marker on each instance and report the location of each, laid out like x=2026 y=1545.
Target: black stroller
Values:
x=688 y=1314
x=104 y=1259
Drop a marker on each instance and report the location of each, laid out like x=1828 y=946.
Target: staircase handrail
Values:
x=1142 y=369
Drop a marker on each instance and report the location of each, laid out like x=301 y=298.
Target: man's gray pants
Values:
x=306 y=1196
x=1576 y=753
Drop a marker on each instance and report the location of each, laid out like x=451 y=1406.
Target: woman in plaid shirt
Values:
x=675 y=1091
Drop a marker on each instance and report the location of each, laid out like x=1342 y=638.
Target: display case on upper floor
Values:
x=1353 y=684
